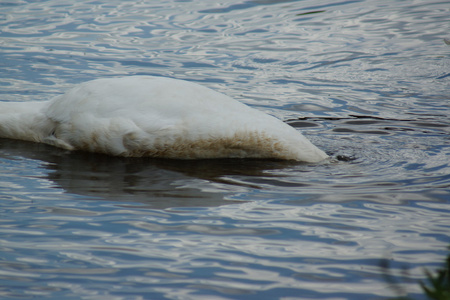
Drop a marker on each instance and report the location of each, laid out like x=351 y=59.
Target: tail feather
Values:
x=24 y=121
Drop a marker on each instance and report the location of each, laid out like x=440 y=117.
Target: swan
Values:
x=137 y=116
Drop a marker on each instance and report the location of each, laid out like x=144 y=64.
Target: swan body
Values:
x=139 y=116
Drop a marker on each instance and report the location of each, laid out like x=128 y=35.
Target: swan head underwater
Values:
x=138 y=116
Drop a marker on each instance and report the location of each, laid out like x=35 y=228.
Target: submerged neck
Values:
x=23 y=120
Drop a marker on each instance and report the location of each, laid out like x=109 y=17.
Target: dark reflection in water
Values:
x=159 y=183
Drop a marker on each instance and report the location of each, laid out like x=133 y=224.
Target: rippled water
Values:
x=367 y=81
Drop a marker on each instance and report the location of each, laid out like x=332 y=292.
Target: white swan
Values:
x=154 y=116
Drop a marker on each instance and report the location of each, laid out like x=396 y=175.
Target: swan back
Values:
x=161 y=117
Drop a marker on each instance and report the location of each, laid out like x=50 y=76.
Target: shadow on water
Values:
x=159 y=183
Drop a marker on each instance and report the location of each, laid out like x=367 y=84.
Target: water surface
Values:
x=366 y=81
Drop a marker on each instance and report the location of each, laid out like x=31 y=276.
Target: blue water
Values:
x=367 y=81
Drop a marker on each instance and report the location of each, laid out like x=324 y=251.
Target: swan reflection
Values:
x=158 y=183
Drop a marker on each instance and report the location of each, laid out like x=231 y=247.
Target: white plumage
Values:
x=157 y=117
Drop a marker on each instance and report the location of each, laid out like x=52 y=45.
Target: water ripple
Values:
x=365 y=81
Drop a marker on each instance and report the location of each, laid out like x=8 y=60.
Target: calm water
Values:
x=367 y=81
